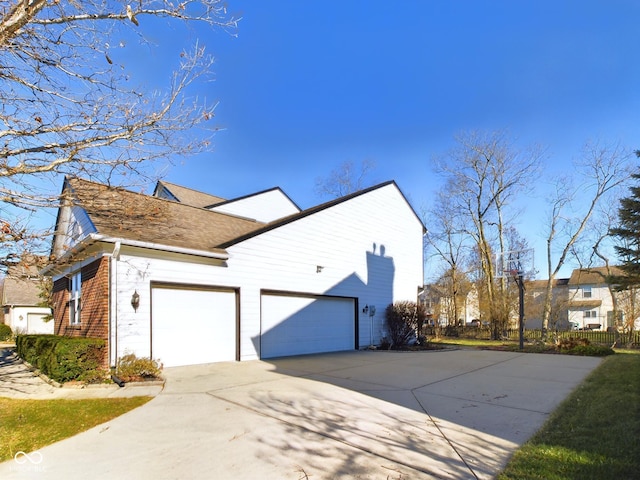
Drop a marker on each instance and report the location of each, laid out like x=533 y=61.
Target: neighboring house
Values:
x=584 y=301
x=21 y=301
x=535 y=291
x=188 y=278
x=591 y=303
x=440 y=308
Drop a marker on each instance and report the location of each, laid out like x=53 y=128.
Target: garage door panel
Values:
x=36 y=324
x=193 y=326
x=295 y=325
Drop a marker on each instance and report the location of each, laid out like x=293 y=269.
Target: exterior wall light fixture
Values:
x=135 y=301
x=369 y=309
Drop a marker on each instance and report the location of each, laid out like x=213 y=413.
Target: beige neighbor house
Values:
x=534 y=303
x=21 y=301
x=595 y=305
x=187 y=278
x=440 y=308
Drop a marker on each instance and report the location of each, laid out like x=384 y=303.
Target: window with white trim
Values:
x=590 y=314
x=586 y=292
x=74 y=300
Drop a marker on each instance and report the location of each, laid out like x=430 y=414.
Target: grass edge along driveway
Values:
x=28 y=425
x=593 y=434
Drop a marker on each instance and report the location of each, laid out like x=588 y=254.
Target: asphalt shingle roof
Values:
x=21 y=287
x=119 y=213
x=592 y=276
x=191 y=197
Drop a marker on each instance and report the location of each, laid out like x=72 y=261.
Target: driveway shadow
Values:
x=455 y=414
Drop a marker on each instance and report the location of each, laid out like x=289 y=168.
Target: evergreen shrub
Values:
x=64 y=358
x=5 y=332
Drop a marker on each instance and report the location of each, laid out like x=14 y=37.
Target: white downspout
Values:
x=113 y=307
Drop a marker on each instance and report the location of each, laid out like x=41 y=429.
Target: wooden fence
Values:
x=594 y=336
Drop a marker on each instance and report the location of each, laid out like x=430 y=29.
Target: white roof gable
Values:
x=266 y=206
x=73 y=225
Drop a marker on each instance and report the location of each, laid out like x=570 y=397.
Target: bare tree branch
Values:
x=68 y=107
x=603 y=169
x=484 y=174
x=345 y=179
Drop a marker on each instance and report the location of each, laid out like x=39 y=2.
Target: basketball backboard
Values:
x=515 y=263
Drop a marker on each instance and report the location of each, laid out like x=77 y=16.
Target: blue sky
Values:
x=307 y=85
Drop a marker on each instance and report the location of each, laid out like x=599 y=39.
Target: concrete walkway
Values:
x=355 y=415
x=17 y=380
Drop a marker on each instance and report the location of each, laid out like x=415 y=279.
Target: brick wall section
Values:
x=94 y=320
x=60 y=305
x=94 y=315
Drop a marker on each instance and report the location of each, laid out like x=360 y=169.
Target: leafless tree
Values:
x=626 y=303
x=345 y=179
x=484 y=175
x=450 y=245
x=69 y=105
x=602 y=170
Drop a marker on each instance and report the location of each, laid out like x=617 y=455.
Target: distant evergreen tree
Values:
x=628 y=234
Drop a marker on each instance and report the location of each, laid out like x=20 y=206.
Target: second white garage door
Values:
x=298 y=324
x=190 y=326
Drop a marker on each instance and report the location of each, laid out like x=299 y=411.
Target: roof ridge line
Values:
x=171 y=202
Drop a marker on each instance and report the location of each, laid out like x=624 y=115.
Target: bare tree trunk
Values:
x=483 y=174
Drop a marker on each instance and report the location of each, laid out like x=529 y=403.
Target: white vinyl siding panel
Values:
x=369 y=248
x=263 y=207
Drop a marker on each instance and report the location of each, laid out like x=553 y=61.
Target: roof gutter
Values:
x=96 y=237
x=158 y=246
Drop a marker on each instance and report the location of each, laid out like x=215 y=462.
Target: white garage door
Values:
x=37 y=324
x=190 y=326
x=296 y=325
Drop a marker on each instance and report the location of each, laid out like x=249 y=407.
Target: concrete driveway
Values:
x=355 y=415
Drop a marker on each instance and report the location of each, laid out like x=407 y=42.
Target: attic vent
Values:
x=74 y=230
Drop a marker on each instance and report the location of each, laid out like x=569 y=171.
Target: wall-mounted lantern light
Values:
x=365 y=310
x=319 y=268
x=135 y=301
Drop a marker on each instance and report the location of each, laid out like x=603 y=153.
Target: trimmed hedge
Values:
x=5 y=332
x=590 y=351
x=64 y=358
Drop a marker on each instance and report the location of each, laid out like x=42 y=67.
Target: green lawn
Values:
x=594 y=434
x=27 y=425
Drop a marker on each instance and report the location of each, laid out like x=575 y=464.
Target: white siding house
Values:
x=21 y=302
x=221 y=287
x=266 y=206
x=590 y=299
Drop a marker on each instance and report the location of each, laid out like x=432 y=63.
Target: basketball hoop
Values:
x=515 y=264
